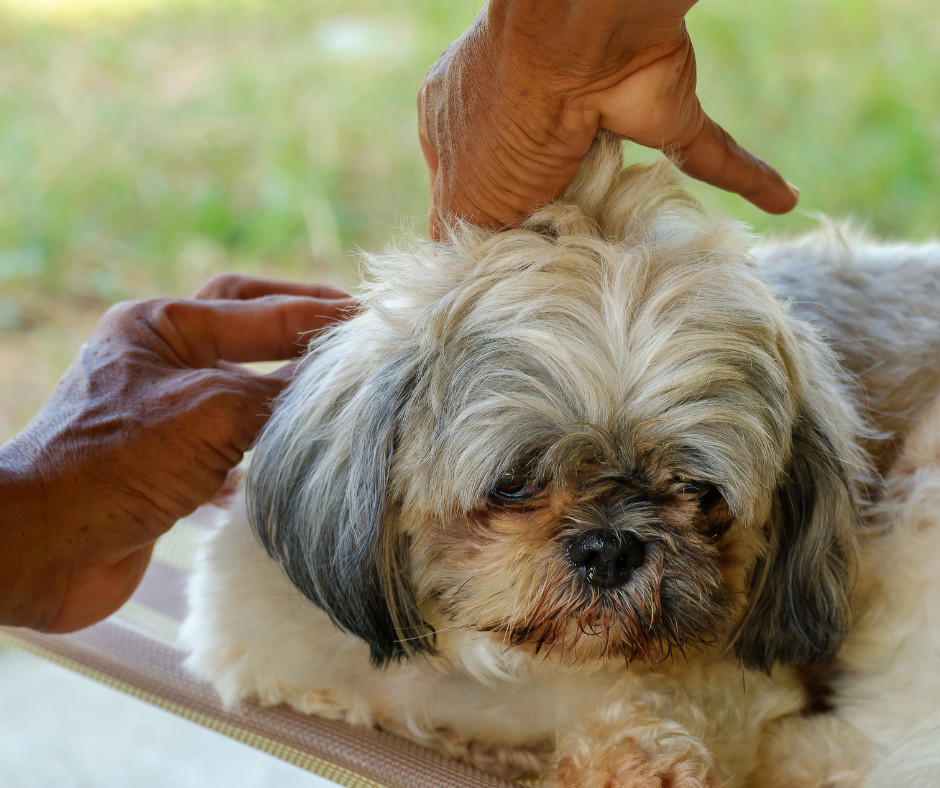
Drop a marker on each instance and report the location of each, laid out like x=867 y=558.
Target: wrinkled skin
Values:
x=511 y=107
x=142 y=429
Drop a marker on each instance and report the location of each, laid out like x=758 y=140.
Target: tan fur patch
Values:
x=504 y=568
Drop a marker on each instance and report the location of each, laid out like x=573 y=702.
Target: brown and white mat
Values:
x=136 y=651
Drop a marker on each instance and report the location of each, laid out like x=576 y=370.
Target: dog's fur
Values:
x=886 y=687
x=621 y=360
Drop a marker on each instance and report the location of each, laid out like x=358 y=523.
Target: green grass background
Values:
x=146 y=146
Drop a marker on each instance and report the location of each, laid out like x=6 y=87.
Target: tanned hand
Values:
x=509 y=110
x=142 y=430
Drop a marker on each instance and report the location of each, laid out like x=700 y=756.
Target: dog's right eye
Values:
x=513 y=487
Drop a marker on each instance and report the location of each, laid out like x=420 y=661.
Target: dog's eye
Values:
x=515 y=487
x=707 y=494
x=689 y=486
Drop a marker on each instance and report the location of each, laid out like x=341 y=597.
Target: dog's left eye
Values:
x=515 y=487
x=691 y=486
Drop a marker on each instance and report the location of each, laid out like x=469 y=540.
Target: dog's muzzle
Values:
x=606 y=558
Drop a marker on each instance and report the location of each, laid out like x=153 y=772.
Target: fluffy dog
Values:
x=886 y=681
x=579 y=499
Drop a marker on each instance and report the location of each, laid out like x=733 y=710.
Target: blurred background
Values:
x=146 y=145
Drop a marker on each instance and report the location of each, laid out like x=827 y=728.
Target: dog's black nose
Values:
x=606 y=558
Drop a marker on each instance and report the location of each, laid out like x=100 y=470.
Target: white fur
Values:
x=891 y=688
x=886 y=721
x=702 y=721
x=255 y=638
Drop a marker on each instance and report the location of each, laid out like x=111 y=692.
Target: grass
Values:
x=142 y=149
x=147 y=145
x=139 y=153
x=840 y=95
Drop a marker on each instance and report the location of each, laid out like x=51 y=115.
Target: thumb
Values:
x=711 y=155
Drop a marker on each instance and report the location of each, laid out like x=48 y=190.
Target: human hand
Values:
x=509 y=110
x=141 y=430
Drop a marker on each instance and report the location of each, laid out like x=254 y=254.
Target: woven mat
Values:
x=136 y=651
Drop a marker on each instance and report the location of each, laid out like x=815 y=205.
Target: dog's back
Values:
x=883 y=730
x=890 y=688
x=878 y=304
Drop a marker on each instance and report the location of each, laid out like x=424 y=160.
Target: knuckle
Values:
x=238 y=413
x=436 y=83
x=205 y=382
x=123 y=311
x=134 y=316
x=229 y=408
x=222 y=286
x=168 y=311
x=430 y=88
x=228 y=393
x=227 y=400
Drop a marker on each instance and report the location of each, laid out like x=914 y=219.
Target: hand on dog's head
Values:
x=599 y=435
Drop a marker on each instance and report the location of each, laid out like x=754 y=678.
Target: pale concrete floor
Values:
x=62 y=730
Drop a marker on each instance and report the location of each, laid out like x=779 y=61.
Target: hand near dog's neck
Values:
x=508 y=112
x=142 y=430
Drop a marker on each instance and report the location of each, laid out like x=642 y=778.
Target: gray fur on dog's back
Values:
x=879 y=308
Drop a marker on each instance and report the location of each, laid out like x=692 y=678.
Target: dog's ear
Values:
x=318 y=490
x=798 y=610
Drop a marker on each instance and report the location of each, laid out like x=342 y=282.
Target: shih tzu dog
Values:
x=580 y=499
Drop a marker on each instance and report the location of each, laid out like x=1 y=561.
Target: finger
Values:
x=233 y=286
x=249 y=410
x=284 y=375
x=269 y=328
x=246 y=401
x=430 y=157
x=714 y=157
x=435 y=229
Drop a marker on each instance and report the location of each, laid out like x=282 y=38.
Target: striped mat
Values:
x=136 y=651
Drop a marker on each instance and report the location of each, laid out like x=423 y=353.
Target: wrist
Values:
x=29 y=577
x=583 y=41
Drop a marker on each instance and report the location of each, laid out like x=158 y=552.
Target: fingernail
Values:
x=794 y=189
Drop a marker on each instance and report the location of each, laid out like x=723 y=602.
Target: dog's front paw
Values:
x=630 y=767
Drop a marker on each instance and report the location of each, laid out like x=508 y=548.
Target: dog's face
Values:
x=596 y=437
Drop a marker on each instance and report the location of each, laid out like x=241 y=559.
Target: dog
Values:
x=579 y=500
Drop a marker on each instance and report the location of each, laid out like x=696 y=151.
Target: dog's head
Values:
x=599 y=435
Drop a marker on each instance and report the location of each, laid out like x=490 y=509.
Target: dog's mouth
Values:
x=603 y=633
x=614 y=574
x=623 y=603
